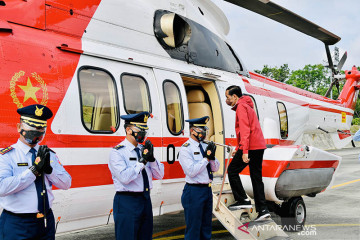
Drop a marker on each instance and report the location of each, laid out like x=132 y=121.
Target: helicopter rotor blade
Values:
x=282 y=15
x=342 y=62
x=330 y=88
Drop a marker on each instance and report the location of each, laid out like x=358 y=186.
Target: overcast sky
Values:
x=259 y=40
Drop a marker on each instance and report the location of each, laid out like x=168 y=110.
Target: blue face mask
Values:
x=201 y=135
x=139 y=136
x=32 y=135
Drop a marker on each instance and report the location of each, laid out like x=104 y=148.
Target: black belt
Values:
x=27 y=215
x=130 y=193
x=199 y=184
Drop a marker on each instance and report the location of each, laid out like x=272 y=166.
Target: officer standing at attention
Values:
x=27 y=173
x=133 y=166
x=198 y=162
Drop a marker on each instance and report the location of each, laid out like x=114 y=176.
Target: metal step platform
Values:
x=239 y=223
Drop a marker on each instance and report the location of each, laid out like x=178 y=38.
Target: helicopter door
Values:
x=203 y=100
x=172 y=98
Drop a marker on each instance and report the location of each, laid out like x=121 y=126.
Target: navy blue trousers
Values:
x=197 y=203
x=30 y=228
x=133 y=217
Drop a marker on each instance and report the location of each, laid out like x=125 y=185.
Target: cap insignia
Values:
x=39 y=112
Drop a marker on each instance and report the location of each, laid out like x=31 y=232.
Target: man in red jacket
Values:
x=249 y=151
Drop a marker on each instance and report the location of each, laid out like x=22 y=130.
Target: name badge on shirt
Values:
x=132 y=159
x=25 y=164
x=196 y=153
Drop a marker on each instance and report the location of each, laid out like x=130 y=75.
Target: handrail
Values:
x=230 y=149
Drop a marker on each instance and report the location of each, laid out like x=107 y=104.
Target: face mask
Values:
x=32 y=135
x=201 y=134
x=140 y=136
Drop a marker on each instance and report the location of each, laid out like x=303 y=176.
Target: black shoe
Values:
x=263 y=215
x=240 y=205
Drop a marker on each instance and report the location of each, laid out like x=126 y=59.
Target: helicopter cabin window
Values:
x=255 y=106
x=173 y=104
x=283 y=120
x=98 y=98
x=136 y=94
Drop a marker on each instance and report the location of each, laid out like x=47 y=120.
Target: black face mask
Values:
x=200 y=135
x=139 y=136
x=31 y=136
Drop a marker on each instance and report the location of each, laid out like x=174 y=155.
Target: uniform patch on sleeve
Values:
x=186 y=144
x=119 y=147
x=6 y=150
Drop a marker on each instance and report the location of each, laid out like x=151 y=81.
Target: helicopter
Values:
x=92 y=61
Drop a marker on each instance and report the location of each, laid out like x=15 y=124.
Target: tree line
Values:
x=314 y=78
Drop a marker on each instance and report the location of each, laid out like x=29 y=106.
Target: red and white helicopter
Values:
x=91 y=61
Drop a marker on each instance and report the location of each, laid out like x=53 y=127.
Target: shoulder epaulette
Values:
x=186 y=144
x=119 y=147
x=6 y=150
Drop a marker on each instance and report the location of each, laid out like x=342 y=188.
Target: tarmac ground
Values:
x=331 y=215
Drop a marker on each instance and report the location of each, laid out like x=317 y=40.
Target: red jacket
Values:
x=248 y=132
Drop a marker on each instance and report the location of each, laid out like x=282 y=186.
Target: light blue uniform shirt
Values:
x=357 y=138
x=17 y=188
x=194 y=164
x=126 y=170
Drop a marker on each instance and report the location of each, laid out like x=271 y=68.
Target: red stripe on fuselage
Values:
x=271 y=141
x=273 y=169
x=99 y=174
x=93 y=141
x=293 y=89
x=267 y=93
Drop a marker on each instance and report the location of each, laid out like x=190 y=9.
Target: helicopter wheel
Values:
x=293 y=214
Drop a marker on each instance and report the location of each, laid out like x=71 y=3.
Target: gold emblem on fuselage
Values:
x=29 y=88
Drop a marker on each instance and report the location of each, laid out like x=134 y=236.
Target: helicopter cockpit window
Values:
x=99 y=102
x=136 y=94
x=187 y=40
x=174 y=113
x=283 y=120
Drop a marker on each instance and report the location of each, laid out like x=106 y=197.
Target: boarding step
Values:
x=240 y=222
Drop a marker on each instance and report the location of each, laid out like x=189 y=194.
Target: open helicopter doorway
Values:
x=203 y=100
